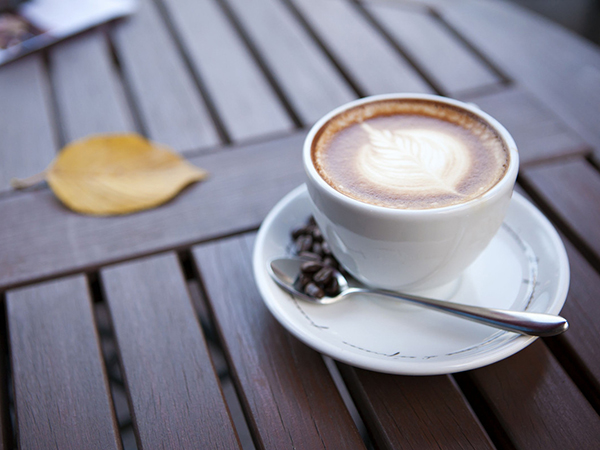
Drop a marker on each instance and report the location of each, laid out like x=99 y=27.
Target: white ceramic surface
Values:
x=403 y=249
x=525 y=267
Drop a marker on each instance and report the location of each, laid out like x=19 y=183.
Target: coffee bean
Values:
x=299 y=231
x=310 y=267
x=316 y=248
x=304 y=279
x=331 y=262
x=304 y=243
x=323 y=276
x=309 y=256
x=311 y=221
x=314 y=291
x=317 y=235
x=325 y=248
x=332 y=288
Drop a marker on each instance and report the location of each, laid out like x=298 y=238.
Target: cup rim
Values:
x=507 y=179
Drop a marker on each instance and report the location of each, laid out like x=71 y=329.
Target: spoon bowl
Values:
x=284 y=272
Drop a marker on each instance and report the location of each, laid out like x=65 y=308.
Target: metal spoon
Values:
x=285 y=270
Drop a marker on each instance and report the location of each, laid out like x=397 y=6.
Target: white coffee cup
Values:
x=403 y=249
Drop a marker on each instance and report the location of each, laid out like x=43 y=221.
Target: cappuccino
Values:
x=409 y=154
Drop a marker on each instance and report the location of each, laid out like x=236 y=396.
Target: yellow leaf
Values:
x=118 y=174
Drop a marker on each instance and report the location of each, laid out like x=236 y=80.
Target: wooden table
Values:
x=152 y=322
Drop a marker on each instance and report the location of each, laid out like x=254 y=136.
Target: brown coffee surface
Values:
x=409 y=154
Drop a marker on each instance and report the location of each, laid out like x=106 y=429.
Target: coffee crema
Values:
x=409 y=154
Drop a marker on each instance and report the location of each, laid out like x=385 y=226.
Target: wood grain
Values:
x=374 y=65
x=536 y=403
x=284 y=386
x=28 y=144
x=175 y=397
x=448 y=62
x=244 y=184
x=88 y=93
x=414 y=412
x=171 y=108
x=309 y=80
x=61 y=390
x=559 y=67
x=538 y=132
x=242 y=96
x=571 y=189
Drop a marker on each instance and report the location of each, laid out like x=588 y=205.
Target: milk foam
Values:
x=414 y=161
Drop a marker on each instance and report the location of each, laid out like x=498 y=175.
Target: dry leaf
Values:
x=118 y=174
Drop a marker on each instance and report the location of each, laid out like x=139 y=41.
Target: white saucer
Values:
x=525 y=267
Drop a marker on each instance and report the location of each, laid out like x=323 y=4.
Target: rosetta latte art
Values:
x=414 y=161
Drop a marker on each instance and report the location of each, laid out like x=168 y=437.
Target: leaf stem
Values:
x=23 y=183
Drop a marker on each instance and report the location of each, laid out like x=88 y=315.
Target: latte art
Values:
x=409 y=154
x=413 y=161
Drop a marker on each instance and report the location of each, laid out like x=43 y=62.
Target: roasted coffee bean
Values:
x=314 y=291
x=332 y=288
x=317 y=235
x=311 y=221
x=299 y=231
x=304 y=243
x=316 y=248
x=310 y=267
x=304 y=279
x=323 y=276
x=325 y=248
x=309 y=256
x=331 y=262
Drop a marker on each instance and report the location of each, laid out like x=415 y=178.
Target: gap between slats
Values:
x=134 y=108
x=111 y=362
x=210 y=104
x=261 y=62
x=217 y=354
x=417 y=67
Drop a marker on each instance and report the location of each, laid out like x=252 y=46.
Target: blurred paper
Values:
x=39 y=23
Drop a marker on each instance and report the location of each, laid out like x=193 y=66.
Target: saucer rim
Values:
x=402 y=367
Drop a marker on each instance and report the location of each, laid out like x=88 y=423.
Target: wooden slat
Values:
x=87 y=91
x=447 y=61
x=559 y=67
x=308 y=79
x=170 y=106
x=61 y=391
x=27 y=141
x=583 y=338
x=374 y=65
x=39 y=237
x=536 y=403
x=285 y=387
x=414 y=412
x=572 y=190
x=246 y=103
x=538 y=132
x=174 y=393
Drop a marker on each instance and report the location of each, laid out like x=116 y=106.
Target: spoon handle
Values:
x=533 y=324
